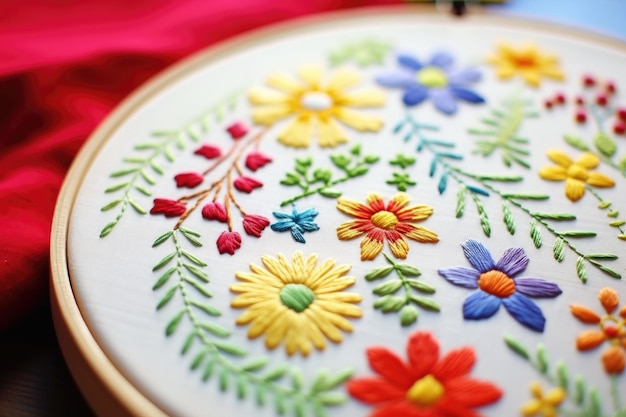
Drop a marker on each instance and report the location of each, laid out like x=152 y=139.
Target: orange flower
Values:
x=380 y=222
x=612 y=329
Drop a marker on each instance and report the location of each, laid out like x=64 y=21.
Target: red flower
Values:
x=256 y=160
x=215 y=211
x=229 y=242
x=247 y=184
x=426 y=386
x=188 y=179
x=254 y=224
x=170 y=208
x=237 y=130
x=209 y=151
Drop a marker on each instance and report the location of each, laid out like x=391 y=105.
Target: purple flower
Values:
x=435 y=79
x=496 y=285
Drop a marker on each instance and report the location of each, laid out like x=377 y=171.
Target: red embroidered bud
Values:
x=589 y=81
x=548 y=104
x=581 y=116
x=167 y=207
x=237 y=130
x=215 y=211
x=602 y=100
x=228 y=242
x=254 y=224
x=209 y=151
x=256 y=160
x=560 y=98
x=247 y=184
x=188 y=179
x=619 y=127
x=610 y=87
x=621 y=113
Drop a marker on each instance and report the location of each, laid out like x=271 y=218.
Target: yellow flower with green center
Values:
x=543 y=405
x=527 y=62
x=576 y=174
x=316 y=105
x=300 y=304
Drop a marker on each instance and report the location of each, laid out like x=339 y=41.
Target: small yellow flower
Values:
x=527 y=61
x=298 y=303
x=315 y=105
x=543 y=405
x=576 y=174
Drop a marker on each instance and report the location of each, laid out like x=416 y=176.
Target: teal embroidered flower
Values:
x=297 y=223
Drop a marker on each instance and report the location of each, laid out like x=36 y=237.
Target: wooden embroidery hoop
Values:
x=106 y=387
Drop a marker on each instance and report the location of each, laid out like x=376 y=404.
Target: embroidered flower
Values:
x=435 y=79
x=208 y=151
x=297 y=223
x=611 y=328
x=228 y=242
x=575 y=174
x=254 y=224
x=188 y=179
x=299 y=304
x=496 y=285
x=256 y=160
x=315 y=105
x=527 y=62
x=380 y=222
x=167 y=207
x=247 y=184
x=215 y=211
x=543 y=405
x=237 y=130
x=426 y=385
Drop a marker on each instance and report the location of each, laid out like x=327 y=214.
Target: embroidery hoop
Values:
x=106 y=387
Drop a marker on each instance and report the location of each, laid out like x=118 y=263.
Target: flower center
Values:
x=432 y=77
x=316 y=100
x=524 y=60
x=577 y=172
x=297 y=297
x=496 y=283
x=384 y=220
x=610 y=331
x=426 y=391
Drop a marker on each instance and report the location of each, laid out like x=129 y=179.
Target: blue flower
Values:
x=435 y=79
x=296 y=222
x=496 y=285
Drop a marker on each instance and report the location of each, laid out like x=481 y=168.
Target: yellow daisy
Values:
x=527 y=61
x=543 y=405
x=299 y=303
x=576 y=174
x=315 y=105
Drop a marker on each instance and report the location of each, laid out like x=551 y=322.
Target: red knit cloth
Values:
x=64 y=65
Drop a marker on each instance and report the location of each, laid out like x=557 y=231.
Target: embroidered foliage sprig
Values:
x=321 y=181
x=138 y=175
x=584 y=399
x=411 y=287
x=363 y=53
x=402 y=179
x=501 y=131
x=479 y=186
x=213 y=355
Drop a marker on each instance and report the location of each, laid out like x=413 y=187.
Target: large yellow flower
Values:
x=527 y=61
x=379 y=222
x=315 y=105
x=575 y=174
x=297 y=303
x=543 y=405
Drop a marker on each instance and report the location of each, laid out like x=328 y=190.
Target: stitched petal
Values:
x=442 y=60
x=590 y=339
x=574 y=189
x=397 y=79
x=409 y=62
x=480 y=305
x=588 y=160
x=466 y=95
x=414 y=95
x=444 y=100
x=537 y=287
x=456 y=363
x=524 y=310
x=465 y=76
x=599 y=180
x=585 y=314
x=513 y=261
x=423 y=353
x=560 y=158
x=461 y=276
x=388 y=365
x=553 y=173
x=478 y=255
x=373 y=390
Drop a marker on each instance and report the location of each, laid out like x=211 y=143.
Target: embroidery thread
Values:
x=527 y=62
x=298 y=222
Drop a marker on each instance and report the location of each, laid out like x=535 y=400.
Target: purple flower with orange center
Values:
x=496 y=285
x=378 y=221
x=611 y=329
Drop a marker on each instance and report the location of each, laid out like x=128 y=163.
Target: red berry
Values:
x=621 y=113
x=548 y=104
x=589 y=81
x=601 y=100
x=581 y=116
x=610 y=87
x=559 y=98
x=619 y=127
x=580 y=101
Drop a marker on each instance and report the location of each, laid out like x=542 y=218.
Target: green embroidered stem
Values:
x=210 y=356
x=612 y=213
x=162 y=148
x=502 y=132
x=401 y=303
x=352 y=166
x=615 y=395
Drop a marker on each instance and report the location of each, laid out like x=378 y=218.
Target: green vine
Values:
x=501 y=132
x=407 y=280
x=283 y=384
x=321 y=180
x=363 y=53
x=482 y=186
x=138 y=176
x=584 y=399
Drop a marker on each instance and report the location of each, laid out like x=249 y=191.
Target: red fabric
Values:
x=64 y=64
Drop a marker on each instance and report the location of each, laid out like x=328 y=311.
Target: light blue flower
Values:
x=435 y=79
x=297 y=223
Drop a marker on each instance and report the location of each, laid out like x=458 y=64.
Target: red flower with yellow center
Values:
x=426 y=386
x=611 y=328
x=379 y=222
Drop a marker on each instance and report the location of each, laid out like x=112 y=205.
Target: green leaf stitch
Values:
x=363 y=53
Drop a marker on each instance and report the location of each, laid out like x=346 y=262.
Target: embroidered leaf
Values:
x=605 y=269
x=164 y=278
x=477 y=190
x=558 y=249
x=167 y=297
x=166 y=259
x=162 y=238
x=188 y=343
x=388 y=287
x=331 y=398
x=408 y=315
x=111 y=205
x=622 y=164
x=173 y=324
x=542 y=359
x=516 y=347
x=605 y=144
x=426 y=303
x=108 y=228
x=389 y=303
x=443 y=182
x=242 y=388
x=191 y=237
x=484 y=218
x=408 y=270
x=500 y=178
x=197 y=272
x=212 y=311
x=116 y=187
x=535 y=234
x=601 y=256
x=581 y=271
x=421 y=286
x=276 y=373
x=579 y=390
x=508 y=218
x=330 y=192
x=460 y=201
x=194 y=259
x=595 y=404
x=578 y=233
x=334 y=381
x=525 y=196
x=576 y=143
x=198 y=359
x=562 y=375
x=203 y=290
x=229 y=348
x=363 y=53
x=379 y=273
x=554 y=216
